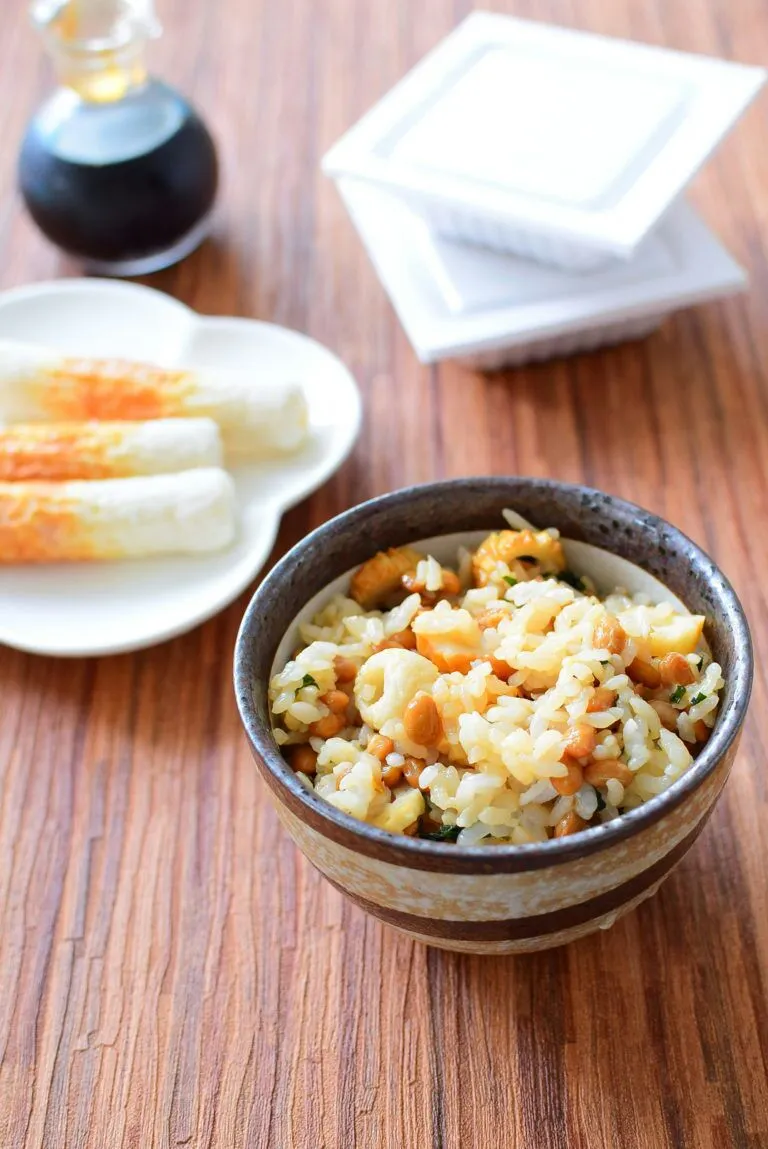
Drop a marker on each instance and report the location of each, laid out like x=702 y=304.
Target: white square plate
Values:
x=556 y=144
x=459 y=301
x=108 y=607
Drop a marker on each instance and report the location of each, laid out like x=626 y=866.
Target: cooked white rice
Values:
x=495 y=774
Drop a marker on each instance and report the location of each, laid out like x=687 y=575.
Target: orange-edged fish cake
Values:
x=186 y=513
x=257 y=414
x=114 y=450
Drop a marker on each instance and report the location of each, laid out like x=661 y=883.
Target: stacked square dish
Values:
x=519 y=191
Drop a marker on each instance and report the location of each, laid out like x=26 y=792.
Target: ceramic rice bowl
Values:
x=501 y=898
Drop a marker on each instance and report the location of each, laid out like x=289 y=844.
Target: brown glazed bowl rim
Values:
x=664 y=546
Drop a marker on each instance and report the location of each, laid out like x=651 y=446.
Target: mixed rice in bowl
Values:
x=496 y=699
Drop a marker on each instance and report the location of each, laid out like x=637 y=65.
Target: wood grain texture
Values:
x=171 y=971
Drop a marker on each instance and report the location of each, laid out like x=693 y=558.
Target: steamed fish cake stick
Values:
x=114 y=450
x=187 y=513
x=258 y=415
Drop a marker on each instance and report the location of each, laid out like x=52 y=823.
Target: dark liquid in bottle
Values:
x=108 y=208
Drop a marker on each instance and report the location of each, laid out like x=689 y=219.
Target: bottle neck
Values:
x=101 y=80
x=98 y=46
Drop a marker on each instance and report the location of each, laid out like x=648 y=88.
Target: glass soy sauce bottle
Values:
x=116 y=167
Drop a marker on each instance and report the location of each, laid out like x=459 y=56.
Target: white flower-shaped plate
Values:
x=107 y=608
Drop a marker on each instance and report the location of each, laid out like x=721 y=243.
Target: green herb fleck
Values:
x=697 y=698
x=677 y=694
x=605 y=663
x=511 y=580
x=573 y=580
x=444 y=834
x=600 y=801
x=308 y=680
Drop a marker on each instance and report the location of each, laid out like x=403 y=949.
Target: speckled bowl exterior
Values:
x=497 y=899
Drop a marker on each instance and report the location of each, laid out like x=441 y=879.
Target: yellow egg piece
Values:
x=681 y=635
x=451 y=639
x=404 y=809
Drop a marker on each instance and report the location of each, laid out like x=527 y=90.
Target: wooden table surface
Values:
x=172 y=972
